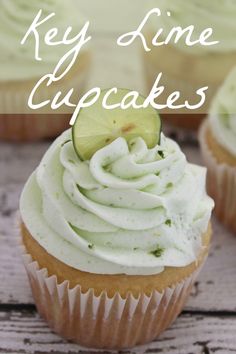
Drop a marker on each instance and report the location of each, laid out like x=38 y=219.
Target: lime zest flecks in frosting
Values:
x=161 y=154
x=71 y=161
x=168 y=222
x=158 y=252
x=123 y=234
x=67 y=141
x=223 y=114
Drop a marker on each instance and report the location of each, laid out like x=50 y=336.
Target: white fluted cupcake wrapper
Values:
x=14 y=100
x=221 y=183
x=32 y=127
x=20 y=123
x=100 y=321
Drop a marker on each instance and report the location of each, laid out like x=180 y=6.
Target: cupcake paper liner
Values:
x=181 y=118
x=26 y=127
x=221 y=183
x=103 y=321
x=20 y=123
x=14 y=99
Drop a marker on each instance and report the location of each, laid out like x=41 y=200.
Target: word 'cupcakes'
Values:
x=63 y=67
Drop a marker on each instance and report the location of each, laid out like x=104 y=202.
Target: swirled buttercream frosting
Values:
x=17 y=61
x=128 y=210
x=218 y=15
x=223 y=114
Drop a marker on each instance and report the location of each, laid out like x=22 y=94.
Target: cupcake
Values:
x=218 y=145
x=115 y=227
x=20 y=71
x=187 y=69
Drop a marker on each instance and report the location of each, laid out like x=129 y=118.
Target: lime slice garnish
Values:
x=96 y=126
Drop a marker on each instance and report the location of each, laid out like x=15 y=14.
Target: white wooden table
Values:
x=208 y=322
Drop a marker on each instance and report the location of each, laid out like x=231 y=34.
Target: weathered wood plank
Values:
x=28 y=333
x=217 y=282
x=213 y=291
x=16 y=164
x=25 y=332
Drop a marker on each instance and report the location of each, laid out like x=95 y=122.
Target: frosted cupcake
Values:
x=218 y=145
x=20 y=71
x=115 y=230
x=187 y=69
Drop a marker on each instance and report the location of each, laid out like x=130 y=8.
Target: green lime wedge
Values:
x=96 y=126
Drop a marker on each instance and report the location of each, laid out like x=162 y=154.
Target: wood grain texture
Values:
x=26 y=332
x=210 y=324
x=213 y=291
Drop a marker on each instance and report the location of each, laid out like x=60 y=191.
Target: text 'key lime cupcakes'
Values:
x=115 y=228
x=20 y=71
x=188 y=68
x=218 y=145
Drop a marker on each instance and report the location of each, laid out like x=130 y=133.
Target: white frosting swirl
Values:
x=127 y=210
x=217 y=14
x=17 y=61
x=223 y=114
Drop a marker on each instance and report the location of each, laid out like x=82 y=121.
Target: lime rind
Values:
x=96 y=127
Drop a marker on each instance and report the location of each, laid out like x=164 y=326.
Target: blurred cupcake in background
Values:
x=20 y=71
x=187 y=69
x=218 y=145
